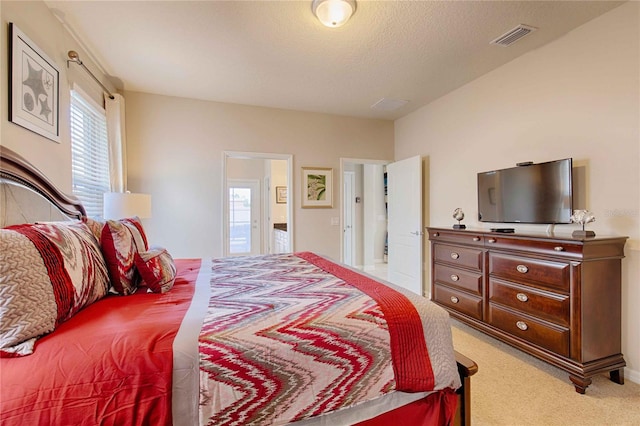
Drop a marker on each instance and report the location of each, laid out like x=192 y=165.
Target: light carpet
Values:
x=513 y=388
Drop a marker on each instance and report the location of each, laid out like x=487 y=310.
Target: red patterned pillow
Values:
x=157 y=269
x=121 y=240
x=48 y=272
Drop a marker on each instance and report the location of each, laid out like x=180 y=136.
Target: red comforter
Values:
x=69 y=380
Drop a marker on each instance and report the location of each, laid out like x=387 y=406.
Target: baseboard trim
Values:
x=632 y=375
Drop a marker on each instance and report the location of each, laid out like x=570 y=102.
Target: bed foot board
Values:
x=466 y=369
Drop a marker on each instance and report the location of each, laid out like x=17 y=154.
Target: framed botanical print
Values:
x=317 y=187
x=33 y=87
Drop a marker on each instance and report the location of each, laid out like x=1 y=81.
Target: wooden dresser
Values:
x=554 y=297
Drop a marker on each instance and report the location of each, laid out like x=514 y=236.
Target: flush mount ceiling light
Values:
x=333 y=13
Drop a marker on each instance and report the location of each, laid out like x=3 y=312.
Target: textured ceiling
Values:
x=276 y=54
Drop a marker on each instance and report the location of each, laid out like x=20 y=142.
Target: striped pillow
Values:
x=48 y=272
x=120 y=241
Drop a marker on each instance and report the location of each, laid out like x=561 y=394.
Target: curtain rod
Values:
x=74 y=57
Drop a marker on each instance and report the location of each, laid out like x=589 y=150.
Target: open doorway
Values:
x=257 y=208
x=363 y=214
x=387 y=238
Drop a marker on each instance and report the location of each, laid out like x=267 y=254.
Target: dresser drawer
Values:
x=552 y=307
x=528 y=270
x=546 y=335
x=460 y=278
x=459 y=301
x=459 y=256
x=456 y=237
x=560 y=248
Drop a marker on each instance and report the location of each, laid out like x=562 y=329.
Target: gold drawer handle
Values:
x=454 y=277
x=522 y=325
x=522 y=297
x=476 y=239
x=436 y=234
x=558 y=248
x=522 y=269
x=454 y=255
x=491 y=240
x=454 y=299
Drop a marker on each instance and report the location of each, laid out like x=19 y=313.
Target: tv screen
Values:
x=535 y=193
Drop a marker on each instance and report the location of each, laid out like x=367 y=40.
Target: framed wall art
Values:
x=317 y=187
x=281 y=194
x=33 y=87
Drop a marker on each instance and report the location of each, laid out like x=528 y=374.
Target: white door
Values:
x=243 y=226
x=404 y=197
x=349 y=213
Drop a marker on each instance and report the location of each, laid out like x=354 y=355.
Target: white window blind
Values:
x=89 y=153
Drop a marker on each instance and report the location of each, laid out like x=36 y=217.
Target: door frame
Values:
x=349 y=206
x=225 y=195
x=343 y=162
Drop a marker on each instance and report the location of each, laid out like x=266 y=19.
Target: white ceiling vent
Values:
x=386 y=104
x=510 y=37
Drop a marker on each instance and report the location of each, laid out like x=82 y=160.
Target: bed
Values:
x=277 y=339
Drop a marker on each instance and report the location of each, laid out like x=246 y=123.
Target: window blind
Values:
x=89 y=153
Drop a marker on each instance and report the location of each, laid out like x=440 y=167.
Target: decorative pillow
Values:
x=157 y=269
x=120 y=241
x=48 y=272
x=95 y=226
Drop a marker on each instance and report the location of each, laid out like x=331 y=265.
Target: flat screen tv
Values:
x=530 y=193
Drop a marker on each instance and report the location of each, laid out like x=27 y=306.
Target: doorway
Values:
x=251 y=212
x=363 y=215
x=404 y=264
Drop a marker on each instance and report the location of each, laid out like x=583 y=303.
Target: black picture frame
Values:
x=34 y=86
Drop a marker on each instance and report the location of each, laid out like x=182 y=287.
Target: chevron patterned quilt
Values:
x=288 y=337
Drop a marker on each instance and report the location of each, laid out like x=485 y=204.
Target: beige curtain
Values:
x=116 y=135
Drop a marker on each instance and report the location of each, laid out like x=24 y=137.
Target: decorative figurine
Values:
x=582 y=217
x=458 y=215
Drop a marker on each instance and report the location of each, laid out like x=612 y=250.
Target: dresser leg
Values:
x=580 y=383
x=617 y=376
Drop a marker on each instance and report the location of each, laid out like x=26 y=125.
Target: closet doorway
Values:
x=363 y=214
x=257 y=204
x=386 y=207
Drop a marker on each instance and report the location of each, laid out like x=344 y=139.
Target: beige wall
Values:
x=278 y=178
x=577 y=97
x=36 y=20
x=175 y=148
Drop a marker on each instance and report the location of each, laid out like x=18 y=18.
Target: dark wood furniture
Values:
x=554 y=297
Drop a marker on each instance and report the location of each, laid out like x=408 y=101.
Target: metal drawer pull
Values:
x=522 y=269
x=491 y=240
x=558 y=248
x=454 y=255
x=454 y=299
x=454 y=277
x=436 y=234
x=476 y=239
x=522 y=325
x=522 y=297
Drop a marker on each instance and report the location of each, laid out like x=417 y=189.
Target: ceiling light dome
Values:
x=333 y=13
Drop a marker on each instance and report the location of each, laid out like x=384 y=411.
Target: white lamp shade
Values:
x=118 y=205
x=333 y=13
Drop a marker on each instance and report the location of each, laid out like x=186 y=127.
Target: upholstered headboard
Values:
x=27 y=196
